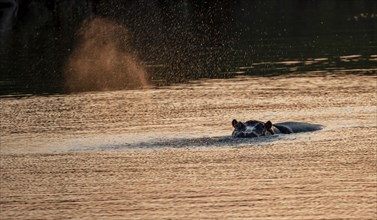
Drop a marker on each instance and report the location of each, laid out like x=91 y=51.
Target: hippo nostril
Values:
x=253 y=135
x=250 y=135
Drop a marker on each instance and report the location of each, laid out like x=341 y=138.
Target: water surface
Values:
x=179 y=41
x=81 y=137
x=202 y=109
x=166 y=153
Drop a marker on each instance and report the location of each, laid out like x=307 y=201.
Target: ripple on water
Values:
x=196 y=114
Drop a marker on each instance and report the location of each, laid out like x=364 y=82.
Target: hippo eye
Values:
x=260 y=126
x=240 y=125
x=259 y=129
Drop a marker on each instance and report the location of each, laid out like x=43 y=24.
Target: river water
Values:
x=166 y=153
x=123 y=109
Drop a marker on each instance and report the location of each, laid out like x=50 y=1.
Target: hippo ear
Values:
x=234 y=123
x=268 y=125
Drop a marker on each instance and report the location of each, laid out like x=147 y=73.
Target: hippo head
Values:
x=251 y=129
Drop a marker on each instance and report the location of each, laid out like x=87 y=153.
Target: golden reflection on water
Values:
x=185 y=171
x=201 y=109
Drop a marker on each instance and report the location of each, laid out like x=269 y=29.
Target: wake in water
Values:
x=119 y=142
x=157 y=143
x=222 y=141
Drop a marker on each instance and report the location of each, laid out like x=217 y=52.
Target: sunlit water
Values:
x=167 y=152
x=198 y=114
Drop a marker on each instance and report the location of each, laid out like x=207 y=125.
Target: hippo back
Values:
x=296 y=127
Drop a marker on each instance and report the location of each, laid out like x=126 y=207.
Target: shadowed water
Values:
x=54 y=47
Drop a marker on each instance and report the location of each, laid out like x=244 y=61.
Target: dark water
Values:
x=178 y=41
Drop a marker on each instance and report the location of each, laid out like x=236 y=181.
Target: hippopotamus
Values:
x=255 y=128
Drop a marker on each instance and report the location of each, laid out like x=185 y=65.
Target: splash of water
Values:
x=103 y=59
